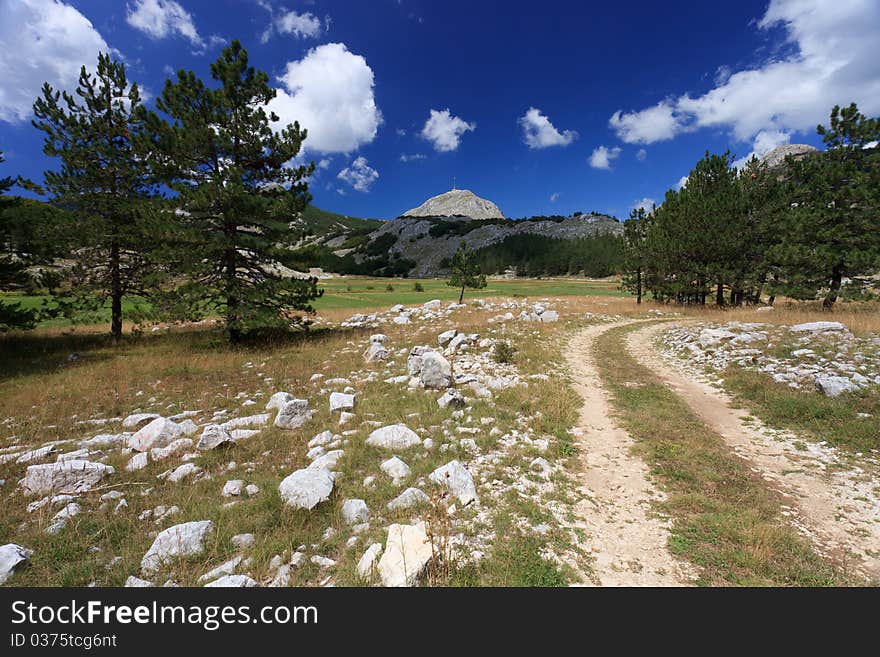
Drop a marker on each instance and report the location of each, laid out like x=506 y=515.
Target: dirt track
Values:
x=624 y=535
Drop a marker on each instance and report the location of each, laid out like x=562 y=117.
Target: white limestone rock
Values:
x=407 y=553
x=305 y=489
x=355 y=511
x=73 y=475
x=436 y=372
x=457 y=480
x=214 y=436
x=12 y=556
x=158 y=433
x=395 y=436
x=408 y=499
x=183 y=540
x=293 y=414
x=341 y=402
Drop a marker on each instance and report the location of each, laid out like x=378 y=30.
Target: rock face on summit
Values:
x=777 y=155
x=457 y=203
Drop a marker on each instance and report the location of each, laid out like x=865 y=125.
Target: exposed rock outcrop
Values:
x=457 y=203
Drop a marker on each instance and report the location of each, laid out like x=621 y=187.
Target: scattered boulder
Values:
x=181 y=472
x=451 y=398
x=414 y=360
x=376 y=352
x=184 y=540
x=833 y=386
x=242 y=541
x=819 y=327
x=407 y=553
x=133 y=582
x=73 y=475
x=11 y=557
x=232 y=488
x=407 y=499
x=214 y=436
x=395 y=468
x=232 y=581
x=549 y=316
x=457 y=480
x=158 y=433
x=137 y=462
x=293 y=414
x=395 y=436
x=446 y=337
x=341 y=402
x=436 y=372
x=162 y=453
x=305 y=489
x=278 y=400
x=355 y=512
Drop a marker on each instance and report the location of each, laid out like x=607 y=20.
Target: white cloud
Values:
x=656 y=123
x=681 y=183
x=602 y=156
x=404 y=157
x=359 y=174
x=299 y=25
x=445 y=131
x=42 y=41
x=554 y=197
x=330 y=93
x=400 y=132
x=162 y=18
x=833 y=60
x=641 y=154
x=765 y=141
x=323 y=164
x=538 y=132
x=646 y=204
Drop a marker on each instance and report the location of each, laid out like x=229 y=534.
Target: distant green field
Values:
x=358 y=293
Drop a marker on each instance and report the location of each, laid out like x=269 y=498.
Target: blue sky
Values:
x=552 y=107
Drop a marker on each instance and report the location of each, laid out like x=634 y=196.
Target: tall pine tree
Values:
x=635 y=233
x=105 y=182
x=465 y=271
x=236 y=191
x=830 y=244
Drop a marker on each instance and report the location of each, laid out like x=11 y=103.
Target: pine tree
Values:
x=635 y=233
x=465 y=271
x=831 y=245
x=236 y=190
x=105 y=181
x=12 y=263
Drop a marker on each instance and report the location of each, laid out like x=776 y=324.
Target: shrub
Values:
x=418 y=287
x=389 y=288
x=503 y=352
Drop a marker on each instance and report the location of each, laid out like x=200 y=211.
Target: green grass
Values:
x=809 y=413
x=725 y=520
x=360 y=293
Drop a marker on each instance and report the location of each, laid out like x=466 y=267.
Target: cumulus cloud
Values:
x=602 y=156
x=301 y=26
x=538 y=132
x=404 y=157
x=681 y=183
x=162 y=18
x=43 y=41
x=554 y=197
x=647 y=126
x=833 y=60
x=646 y=204
x=359 y=174
x=330 y=93
x=641 y=154
x=445 y=131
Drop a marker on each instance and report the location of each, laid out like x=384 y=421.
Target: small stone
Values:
x=341 y=402
x=232 y=488
x=355 y=511
x=366 y=566
x=395 y=436
x=305 y=489
x=409 y=498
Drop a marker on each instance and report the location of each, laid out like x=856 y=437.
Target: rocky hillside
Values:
x=429 y=242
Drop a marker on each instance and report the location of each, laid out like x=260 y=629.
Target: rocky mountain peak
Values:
x=457 y=202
